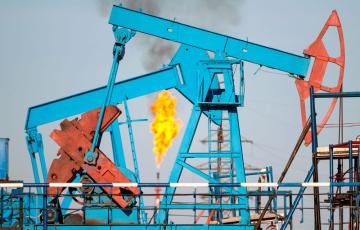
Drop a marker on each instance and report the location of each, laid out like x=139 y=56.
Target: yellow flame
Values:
x=165 y=125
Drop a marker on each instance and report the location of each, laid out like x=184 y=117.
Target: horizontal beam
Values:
x=184 y=185
x=207 y=40
x=165 y=78
x=339 y=94
x=210 y=155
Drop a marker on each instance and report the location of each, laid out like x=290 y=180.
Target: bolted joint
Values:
x=91 y=157
x=119 y=49
x=122 y=35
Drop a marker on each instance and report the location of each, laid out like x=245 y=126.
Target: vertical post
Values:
x=194 y=195
x=285 y=206
x=1 y=206
x=314 y=140
x=357 y=191
x=270 y=178
x=314 y=159
x=161 y=217
x=116 y=143
x=29 y=204
x=331 y=150
x=351 y=171
x=135 y=161
x=297 y=199
x=45 y=217
x=290 y=201
x=21 y=211
x=317 y=210
x=239 y=164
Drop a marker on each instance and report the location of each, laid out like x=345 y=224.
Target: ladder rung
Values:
x=219 y=104
x=218 y=130
x=218 y=141
x=220 y=119
x=209 y=155
x=219 y=151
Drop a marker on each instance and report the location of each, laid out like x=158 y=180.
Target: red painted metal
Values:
x=74 y=139
x=355 y=144
x=318 y=51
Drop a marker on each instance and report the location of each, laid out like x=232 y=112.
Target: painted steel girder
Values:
x=184 y=80
x=207 y=40
x=88 y=100
x=74 y=139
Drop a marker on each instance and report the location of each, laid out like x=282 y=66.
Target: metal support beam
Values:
x=207 y=40
x=286 y=169
x=117 y=146
x=339 y=94
x=177 y=169
x=92 y=99
x=297 y=199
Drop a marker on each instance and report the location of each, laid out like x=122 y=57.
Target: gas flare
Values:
x=165 y=125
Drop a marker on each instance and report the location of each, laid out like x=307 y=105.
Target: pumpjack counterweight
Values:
x=74 y=140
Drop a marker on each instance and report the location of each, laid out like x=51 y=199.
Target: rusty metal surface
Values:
x=74 y=139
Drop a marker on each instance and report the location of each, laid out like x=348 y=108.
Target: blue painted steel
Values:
x=351 y=170
x=149 y=227
x=212 y=98
x=211 y=184
x=109 y=215
x=117 y=146
x=207 y=97
x=121 y=37
x=241 y=84
x=73 y=105
x=67 y=200
x=239 y=164
x=177 y=168
x=314 y=140
x=35 y=146
x=4 y=158
x=91 y=156
x=203 y=39
x=79 y=103
x=188 y=58
x=297 y=200
x=44 y=209
x=331 y=174
x=11 y=204
x=270 y=178
x=180 y=75
x=135 y=161
x=163 y=79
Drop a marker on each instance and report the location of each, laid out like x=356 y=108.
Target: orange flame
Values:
x=165 y=125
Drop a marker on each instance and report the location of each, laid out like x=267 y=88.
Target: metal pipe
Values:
x=314 y=140
x=45 y=214
x=339 y=94
x=188 y=185
x=331 y=148
x=351 y=165
x=110 y=86
x=287 y=166
x=317 y=213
